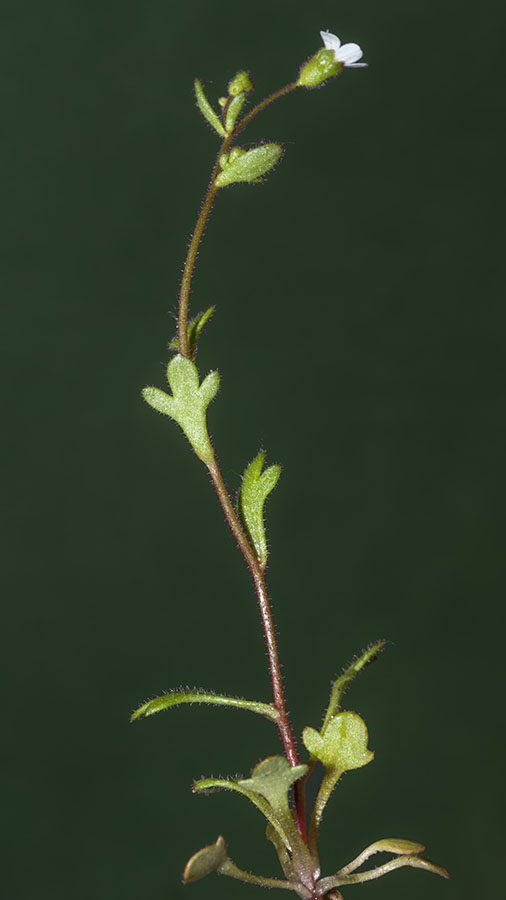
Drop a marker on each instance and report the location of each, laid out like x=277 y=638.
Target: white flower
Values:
x=347 y=54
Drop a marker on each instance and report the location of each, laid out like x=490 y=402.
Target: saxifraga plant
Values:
x=277 y=785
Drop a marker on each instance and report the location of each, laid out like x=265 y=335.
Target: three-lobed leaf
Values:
x=255 y=488
x=188 y=403
x=343 y=745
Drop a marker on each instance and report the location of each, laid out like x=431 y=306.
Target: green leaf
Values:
x=255 y=488
x=233 y=110
x=195 y=329
x=206 y=109
x=272 y=778
x=284 y=859
x=268 y=790
x=343 y=745
x=341 y=748
x=188 y=403
x=209 y=785
x=248 y=165
x=398 y=846
x=214 y=858
x=209 y=859
x=416 y=862
x=175 y=698
x=341 y=684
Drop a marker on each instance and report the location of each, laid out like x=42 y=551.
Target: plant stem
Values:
x=193 y=249
x=235 y=526
x=205 y=210
x=287 y=89
x=265 y=612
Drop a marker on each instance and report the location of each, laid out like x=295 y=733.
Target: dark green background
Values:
x=359 y=334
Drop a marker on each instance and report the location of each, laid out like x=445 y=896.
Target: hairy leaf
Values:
x=248 y=165
x=343 y=745
x=174 y=698
x=255 y=488
x=188 y=403
x=195 y=329
x=341 y=684
x=206 y=109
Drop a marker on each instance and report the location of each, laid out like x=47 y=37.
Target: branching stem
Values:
x=235 y=526
x=205 y=210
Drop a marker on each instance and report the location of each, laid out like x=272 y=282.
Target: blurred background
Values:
x=359 y=333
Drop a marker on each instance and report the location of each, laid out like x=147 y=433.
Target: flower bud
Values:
x=322 y=66
x=241 y=84
x=248 y=165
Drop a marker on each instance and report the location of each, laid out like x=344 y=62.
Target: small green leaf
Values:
x=209 y=785
x=268 y=790
x=284 y=859
x=248 y=165
x=209 y=859
x=341 y=878
x=341 y=684
x=188 y=404
x=272 y=778
x=399 y=846
x=175 y=698
x=255 y=488
x=233 y=110
x=343 y=746
x=206 y=109
x=195 y=329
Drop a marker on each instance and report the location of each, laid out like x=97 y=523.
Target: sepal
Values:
x=322 y=66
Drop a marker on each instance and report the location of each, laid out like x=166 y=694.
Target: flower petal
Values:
x=331 y=41
x=349 y=54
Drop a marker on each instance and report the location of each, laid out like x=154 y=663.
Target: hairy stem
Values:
x=258 y=576
x=205 y=210
x=236 y=528
x=287 y=89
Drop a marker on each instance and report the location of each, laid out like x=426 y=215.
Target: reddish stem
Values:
x=236 y=528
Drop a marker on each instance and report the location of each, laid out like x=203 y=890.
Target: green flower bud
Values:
x=322 y=66
x=241 y=84
x=248 y=165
